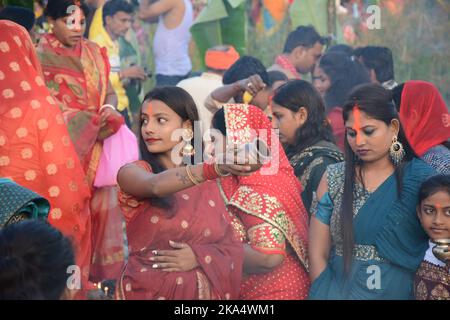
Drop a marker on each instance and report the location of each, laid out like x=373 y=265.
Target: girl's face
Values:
x=321 y=80
x=434 y=214
x=287 y=122
x=159 y=121
x=370 y=139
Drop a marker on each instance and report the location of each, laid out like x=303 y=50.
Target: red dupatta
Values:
x=424 y=116
x=273 y=198
x=78 y=77
x=35 y=148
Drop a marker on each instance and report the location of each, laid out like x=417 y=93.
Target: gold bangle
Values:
x=219 y=173
x=191 y=176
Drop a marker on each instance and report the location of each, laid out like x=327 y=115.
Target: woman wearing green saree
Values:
x=366 y=241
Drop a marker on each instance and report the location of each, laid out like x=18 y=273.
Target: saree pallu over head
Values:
x=200 y=221
x=269 y=198
x=78 y=77
x=424 y=116
x=35 y=148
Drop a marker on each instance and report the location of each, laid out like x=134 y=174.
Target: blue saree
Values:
x=389 y=240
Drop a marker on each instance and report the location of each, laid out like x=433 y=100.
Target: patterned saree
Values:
x=78 y=77
x=35 y=148
x=266 y=210
x=389 y=240
x=200 y=221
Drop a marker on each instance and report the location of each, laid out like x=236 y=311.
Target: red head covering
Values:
x=272 y=196
x=35 y=147
x=220 y=59
x=424 y=116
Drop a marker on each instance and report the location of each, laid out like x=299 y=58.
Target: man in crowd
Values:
x=303 y=48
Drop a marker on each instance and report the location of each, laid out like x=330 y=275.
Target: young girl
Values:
x=432 y=280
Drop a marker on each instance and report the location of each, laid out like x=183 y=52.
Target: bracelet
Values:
x=106 y=106
x=220 y=174
x=209 y=172
x=191 y=176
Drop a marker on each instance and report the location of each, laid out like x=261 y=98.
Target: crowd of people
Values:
x=319 y=177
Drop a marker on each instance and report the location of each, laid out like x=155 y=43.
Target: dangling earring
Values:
x=396 y=152
x=188 y=150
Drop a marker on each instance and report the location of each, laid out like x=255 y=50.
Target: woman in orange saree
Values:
x=35 y=148
x=266 y=211
x=76 y=71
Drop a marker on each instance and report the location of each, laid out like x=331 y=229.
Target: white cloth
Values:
x=200 y=88
x=429 y=256
x=171 y=46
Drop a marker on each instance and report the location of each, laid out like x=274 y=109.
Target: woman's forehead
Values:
x=360 y=119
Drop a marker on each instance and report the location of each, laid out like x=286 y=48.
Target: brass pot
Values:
x=442 y=249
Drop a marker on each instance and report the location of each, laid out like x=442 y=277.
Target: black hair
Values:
x=23 y=16
x=432 y=185
x=397 y=95
x=299 y=93
x=245 y=67
x=181 y=102
x=218 y=122
x=56 y=9
x=275 y=76
x=343 y=48
x=345 y=73
x=305 y=36
x=34 y=260
x=376 y=102
x=111 y=7
x=379 y=59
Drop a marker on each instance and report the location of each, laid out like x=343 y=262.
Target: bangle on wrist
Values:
x=106 y=106
x=191 y=176
x=219 y=173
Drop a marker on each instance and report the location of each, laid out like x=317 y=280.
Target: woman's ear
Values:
x=187 y=124
x=395 y=127
x=301 y=116
x=298 y=52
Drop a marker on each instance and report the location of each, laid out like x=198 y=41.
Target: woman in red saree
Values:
x=266 y=210
x=181 y=244
x=76 y=71
x=35 y=148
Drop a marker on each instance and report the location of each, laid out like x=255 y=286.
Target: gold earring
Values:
x=188 y=150
x=396 y=152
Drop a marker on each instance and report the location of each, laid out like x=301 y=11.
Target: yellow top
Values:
x=98 y=34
